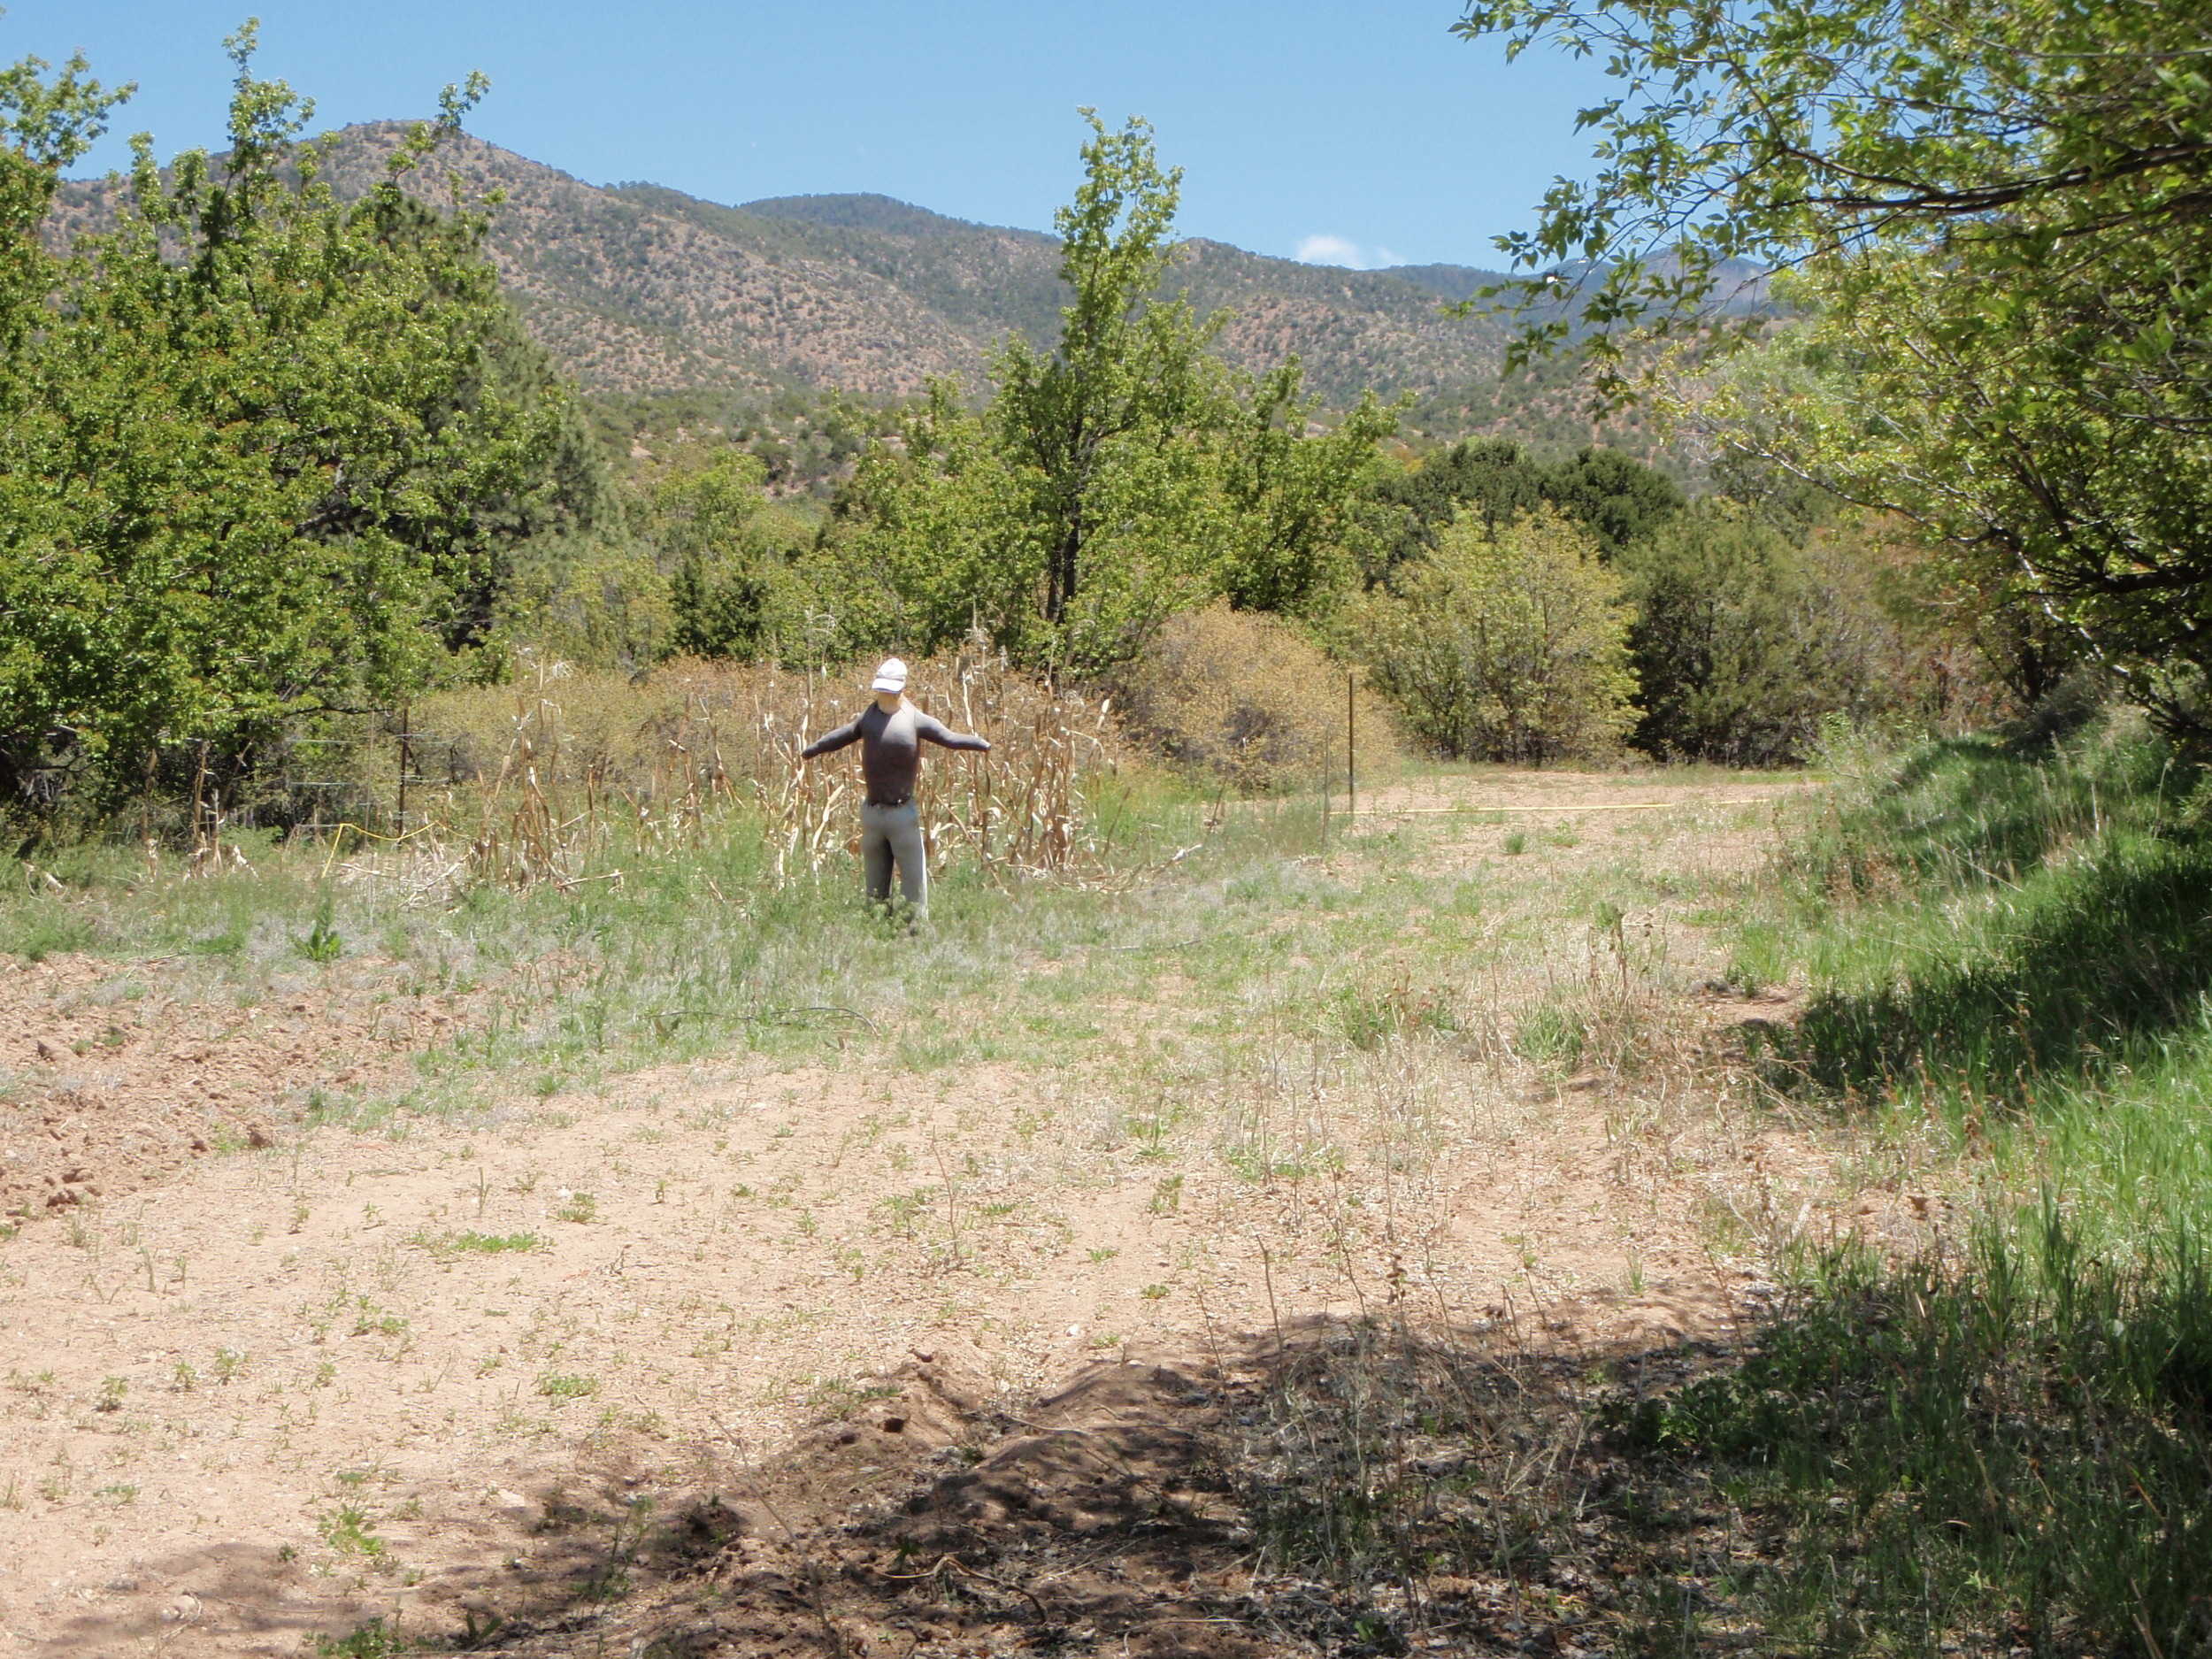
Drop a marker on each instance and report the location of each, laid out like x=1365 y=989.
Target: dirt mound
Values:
x=937 y=1519
x=1114 y=1517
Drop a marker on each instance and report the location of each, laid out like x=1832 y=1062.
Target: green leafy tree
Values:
x=936 y=540
x=1297 y=535
x=705 y=524
x=1491 y=479
x=1130 y=372
x=1496 y=480
x=1511 y=646
x=46 y=124
x=267 y=464
x=599 y=599
x=1620 y=499
x=1121 y=478
x=1996 y=212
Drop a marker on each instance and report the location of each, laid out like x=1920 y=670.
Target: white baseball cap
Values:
x=890 y=675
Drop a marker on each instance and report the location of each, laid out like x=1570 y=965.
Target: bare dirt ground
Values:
x=134 y=1073
x=725 y=1358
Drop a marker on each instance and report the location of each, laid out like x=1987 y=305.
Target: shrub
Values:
x=1246 y=698
x=1738 y=652
x=1511 y=647
x=1744 y=643
x=599 y=601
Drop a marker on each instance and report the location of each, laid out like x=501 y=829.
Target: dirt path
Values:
x=279 y=1389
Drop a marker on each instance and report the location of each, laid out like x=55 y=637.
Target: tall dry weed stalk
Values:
x=523 y=835
x=595 y=766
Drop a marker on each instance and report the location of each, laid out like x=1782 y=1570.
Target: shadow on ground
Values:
x=2095 y=889
x=1346 y=1489
x=1343 y=1488
x=2126 y=957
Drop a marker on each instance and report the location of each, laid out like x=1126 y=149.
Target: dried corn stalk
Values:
x=589 y=761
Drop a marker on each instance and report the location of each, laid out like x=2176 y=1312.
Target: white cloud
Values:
x=1324 y=248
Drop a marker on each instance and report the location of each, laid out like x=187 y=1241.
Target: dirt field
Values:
x=582 y=1372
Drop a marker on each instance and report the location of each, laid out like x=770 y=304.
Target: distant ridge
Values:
x=1453 y=282
x=637 y=289
x=641 y=287
x=869 y=211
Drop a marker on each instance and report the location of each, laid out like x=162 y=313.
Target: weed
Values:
x=1550 y=1035
x=371 y=1640
x=229 y=943
x=1361 y=1456
x=579 y=1208
x=48 y=927
x=472 y=1243
x=322 y=943
x=1720 y=1229
x=1368 y=1018
x=349 y=1530
x=554 y=1386
x=835 y=1399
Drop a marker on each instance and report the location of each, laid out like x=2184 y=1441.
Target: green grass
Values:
x=1993 y=919
x=2010 y=1437
x=475 y=1243
x=567 y=988
x=2020 y=946
x=2017 y=1443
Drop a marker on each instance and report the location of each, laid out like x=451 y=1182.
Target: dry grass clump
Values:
x=1456 y=1489
x=1246 y=699
x=1624 y=1018
x=556 y=777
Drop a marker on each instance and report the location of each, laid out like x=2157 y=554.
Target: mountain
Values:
x=639 y=289
x=635 y=287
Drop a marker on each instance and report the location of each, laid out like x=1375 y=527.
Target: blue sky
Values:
x=1360 y=132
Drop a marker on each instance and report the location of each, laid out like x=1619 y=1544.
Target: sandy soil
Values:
x=266 y=1379
x=116 y=1079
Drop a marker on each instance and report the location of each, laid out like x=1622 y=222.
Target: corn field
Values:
x=565 y=775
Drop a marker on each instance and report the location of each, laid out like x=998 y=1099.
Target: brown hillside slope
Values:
x=631 y=298
x=637 y=289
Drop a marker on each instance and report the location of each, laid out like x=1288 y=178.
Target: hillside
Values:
x=639 y=289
